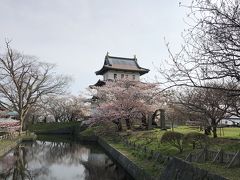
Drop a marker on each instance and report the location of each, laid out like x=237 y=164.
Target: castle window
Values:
x=133 y=77
x=122 y=76
x=115 y=76
x=126 y=76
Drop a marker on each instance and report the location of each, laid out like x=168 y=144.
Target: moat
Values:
x=61 y=160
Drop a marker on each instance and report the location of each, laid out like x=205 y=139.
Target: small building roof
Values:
x=99 y=83
x=122 y=64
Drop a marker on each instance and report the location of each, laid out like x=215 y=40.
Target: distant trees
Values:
x=176 y=114
x=212 y=104
x=63 y=108
x=126 y=100
x=58 y=108
x=24 y=80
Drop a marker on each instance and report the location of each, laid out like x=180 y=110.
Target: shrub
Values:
x=173 y=138
x=196 y=138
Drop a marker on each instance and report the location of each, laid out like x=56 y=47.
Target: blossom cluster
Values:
x=126 y=100
x=10 y=125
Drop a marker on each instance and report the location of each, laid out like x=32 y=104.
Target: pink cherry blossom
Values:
x=125 y=100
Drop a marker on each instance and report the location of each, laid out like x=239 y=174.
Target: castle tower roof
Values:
x=122 y=64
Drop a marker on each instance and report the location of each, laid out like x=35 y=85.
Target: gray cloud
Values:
x=76 y=34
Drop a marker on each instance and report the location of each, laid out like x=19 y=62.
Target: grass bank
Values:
x=151 y=167
x=152 y=138
x=8 y=144
x=48 y=127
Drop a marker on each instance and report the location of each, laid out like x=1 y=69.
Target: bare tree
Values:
x=54 y=106
x=75 y=108
x=176 y=114
x=212 y=104
x=211 y=48
x=24 y=80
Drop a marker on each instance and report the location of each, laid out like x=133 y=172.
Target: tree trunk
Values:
x=214 y=130
x=33 y=119
x=149 y=117
x=162 y=119
x=207 y=130
x=45 y=119
x=172 y=123
x=144 y=120
x=118 y=123
x=193 y=145
x=21 y=117
x=128 y=124
x=21 y=125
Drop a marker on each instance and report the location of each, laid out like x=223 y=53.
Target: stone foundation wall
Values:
x=136 y=172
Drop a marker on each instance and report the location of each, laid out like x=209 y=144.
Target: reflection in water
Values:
x=43 y=160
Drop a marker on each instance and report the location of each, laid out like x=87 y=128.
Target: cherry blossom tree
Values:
x=9 y=125
x=125 y=100
x=212 y=104
x=64 y=108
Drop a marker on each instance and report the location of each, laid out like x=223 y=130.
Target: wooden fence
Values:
x=227 y=158
x=204 y=155
x=11 y=135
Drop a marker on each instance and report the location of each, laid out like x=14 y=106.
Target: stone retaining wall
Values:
x=136 y=172
x=87 y=138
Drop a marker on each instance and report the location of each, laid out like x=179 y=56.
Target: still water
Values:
x=68 y=160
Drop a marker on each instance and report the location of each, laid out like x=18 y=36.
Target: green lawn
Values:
x=155 y=168
x=229 y=132
x=5 y=143
x=151 y=139
x=151 y=167
x=230 y=173
x=11 y=143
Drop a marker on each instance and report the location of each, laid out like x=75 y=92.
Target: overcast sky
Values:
x=76 y=34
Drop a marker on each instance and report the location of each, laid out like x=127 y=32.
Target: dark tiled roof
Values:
x=120 y=63
x=99 y=83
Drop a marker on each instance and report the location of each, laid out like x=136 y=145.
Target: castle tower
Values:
x=116 y=68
